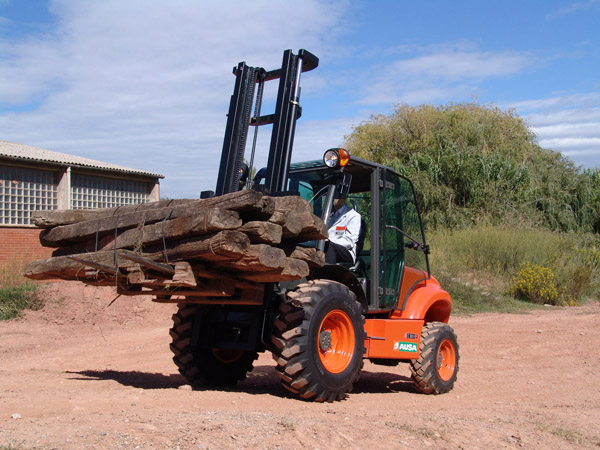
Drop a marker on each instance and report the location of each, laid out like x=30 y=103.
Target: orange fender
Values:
x=426 y=299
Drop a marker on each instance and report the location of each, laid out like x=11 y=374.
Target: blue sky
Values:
x=146 y=83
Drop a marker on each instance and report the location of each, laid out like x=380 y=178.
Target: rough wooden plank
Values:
x=261 y=232
x=202 y=272
x=148 y=263
x=312 y=256
x=245 y=298
x=222 y=245
x=112 y=270
x=290 y=221
x=184 y=274
x=292 y=203
x=145 y=226
x=259 y=257
x=313 y=228
x=90 y=246
x=64 y=267
x=213 y=288
x=261 y=210
x=169 y=285
x=293 y=269
x=57 y=217
x=292 y=213
x=247 y=202
x=136 y=277
x=204 y=222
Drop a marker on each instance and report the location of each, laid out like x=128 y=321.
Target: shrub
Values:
x=14 y=299
x=16 y=292
x=491 y=257
x=536 y=283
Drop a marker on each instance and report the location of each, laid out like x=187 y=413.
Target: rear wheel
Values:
x=319 y=340
x=202 y=366
x=434 y=372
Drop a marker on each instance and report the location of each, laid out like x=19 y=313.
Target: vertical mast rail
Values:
x=287 y=111
x=236 y=132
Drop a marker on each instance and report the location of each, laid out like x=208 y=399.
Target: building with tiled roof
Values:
x=34 y=179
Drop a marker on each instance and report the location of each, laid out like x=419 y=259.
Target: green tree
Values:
x=472 y=163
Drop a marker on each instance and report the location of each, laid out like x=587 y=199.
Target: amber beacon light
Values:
x=336 y=158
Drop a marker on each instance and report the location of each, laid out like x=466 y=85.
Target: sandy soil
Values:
x=85 y=374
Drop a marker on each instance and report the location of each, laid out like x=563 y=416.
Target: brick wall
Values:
x=19 y=245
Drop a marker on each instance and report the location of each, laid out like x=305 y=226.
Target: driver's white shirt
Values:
x=345 y=228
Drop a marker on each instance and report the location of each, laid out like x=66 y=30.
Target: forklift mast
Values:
x=249 y=80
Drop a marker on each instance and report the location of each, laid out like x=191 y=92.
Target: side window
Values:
x=399 y=211
x=410 y=223
x=391 y=242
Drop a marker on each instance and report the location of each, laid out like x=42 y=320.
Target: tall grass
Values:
x=17 y=293
x=490 y=258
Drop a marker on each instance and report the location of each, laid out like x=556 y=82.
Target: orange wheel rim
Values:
x=227 y=356
x=336 y=341
x=446 y=360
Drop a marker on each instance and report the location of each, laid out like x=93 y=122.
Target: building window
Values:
x=23 y=191
x=97 y=192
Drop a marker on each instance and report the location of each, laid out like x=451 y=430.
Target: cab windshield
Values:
x=310 y=180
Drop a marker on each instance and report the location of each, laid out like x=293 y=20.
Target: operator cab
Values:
x=391 y=223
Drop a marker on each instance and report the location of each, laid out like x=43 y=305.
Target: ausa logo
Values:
x=409 y=347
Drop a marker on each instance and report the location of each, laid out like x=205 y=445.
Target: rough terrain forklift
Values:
x=385 y=307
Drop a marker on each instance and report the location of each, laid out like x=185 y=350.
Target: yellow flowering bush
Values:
x=536 y=284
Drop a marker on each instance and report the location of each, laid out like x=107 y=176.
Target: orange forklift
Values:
x=385 y=306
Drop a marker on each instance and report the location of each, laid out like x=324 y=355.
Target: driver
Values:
x=344 y=229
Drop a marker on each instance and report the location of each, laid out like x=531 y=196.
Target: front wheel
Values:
x=205 y=366
x=319 y=340
x=434 y=372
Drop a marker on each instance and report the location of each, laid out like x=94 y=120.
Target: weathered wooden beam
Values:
x=213 y=288
x=202 y=272
x=245 y=298
x=293 y=269
x=144 y=227
x=112 y=270
x=184 y=274
x=66 y=268
x=290 y=222
x=247 y=202
x=223 y=245
x=57 y=217
x=227 y=244
x=257 y=258
x=261 y=232
x=292 y=203
x=159 y=267
x=313 y=228
x=312 y=256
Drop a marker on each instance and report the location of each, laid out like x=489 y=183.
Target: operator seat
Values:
x=358 y=267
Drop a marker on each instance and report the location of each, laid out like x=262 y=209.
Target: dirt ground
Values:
x=85 y=374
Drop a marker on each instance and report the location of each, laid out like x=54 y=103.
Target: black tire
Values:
x=318 y=340
x=205 y=367
x=434 y=372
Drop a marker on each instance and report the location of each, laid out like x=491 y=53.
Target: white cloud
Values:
x=458 y=65
x=442 y=73
x=569 y=124
x=146 y=85
x=572 y=8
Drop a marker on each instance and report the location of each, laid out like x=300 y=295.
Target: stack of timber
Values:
x=217 y=249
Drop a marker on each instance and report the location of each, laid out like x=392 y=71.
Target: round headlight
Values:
x=331 y=158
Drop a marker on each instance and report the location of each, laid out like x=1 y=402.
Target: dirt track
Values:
x=86 y=375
